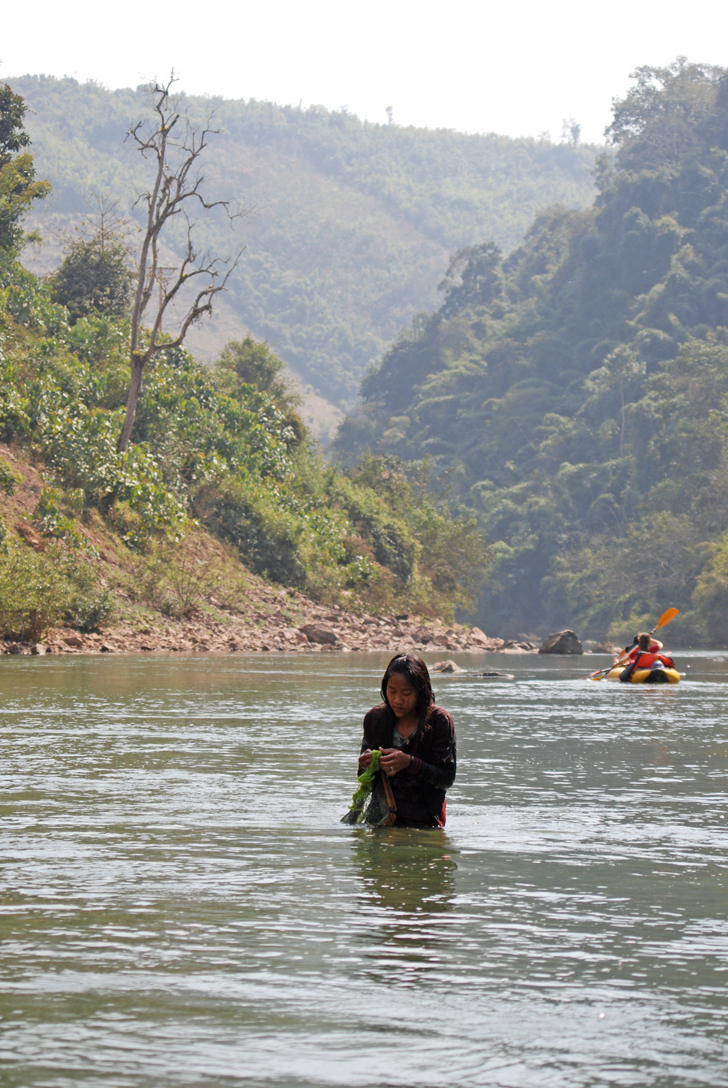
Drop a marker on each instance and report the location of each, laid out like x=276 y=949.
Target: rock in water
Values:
x=561 y=642
x=445 y=666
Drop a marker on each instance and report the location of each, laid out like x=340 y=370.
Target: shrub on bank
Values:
x=267 y=536
x=177 y=579
x=39 y=590
x=9 y=478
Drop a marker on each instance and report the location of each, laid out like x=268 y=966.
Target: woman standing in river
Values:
x=417 y=741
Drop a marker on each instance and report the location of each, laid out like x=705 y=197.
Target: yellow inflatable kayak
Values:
x=643 y=676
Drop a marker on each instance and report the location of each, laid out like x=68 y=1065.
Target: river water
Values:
x=181 y=906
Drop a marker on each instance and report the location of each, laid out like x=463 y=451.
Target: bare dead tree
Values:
x=176 y=189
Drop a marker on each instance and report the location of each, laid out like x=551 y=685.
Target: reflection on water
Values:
x=407 y=882
x=181 y=906
x=406 y=870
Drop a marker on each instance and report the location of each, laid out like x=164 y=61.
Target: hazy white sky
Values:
x=518 y=68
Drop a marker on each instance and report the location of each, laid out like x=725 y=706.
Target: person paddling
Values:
x=624 y=657
x=655 y=646
x=642 y=656
x=416 y=739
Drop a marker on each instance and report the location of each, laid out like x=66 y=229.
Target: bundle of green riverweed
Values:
x=372 y=803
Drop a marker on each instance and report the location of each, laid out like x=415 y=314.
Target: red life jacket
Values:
x=643 y=659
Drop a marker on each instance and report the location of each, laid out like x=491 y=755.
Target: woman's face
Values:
x=401 y=695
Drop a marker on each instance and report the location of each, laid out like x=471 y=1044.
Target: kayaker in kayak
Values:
x=655 y=646
x=623 y=657
x=417 y=743
x=642 y=656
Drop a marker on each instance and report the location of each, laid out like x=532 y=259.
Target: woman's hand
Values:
x=365 y=759
x=393 y=760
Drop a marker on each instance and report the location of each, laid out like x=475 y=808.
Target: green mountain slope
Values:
x=578 y=390
x=352 y=224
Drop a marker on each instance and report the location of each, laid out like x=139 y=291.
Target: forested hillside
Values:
x=577 y=389
x=217 y=453
x=352 y=222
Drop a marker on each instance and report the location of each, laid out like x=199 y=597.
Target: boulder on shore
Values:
x=481 y=641
x=514 y=647
x=606 y=648
x=561 y=642
x=319 y=633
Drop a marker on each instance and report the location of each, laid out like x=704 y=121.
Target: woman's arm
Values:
x=440 y=766
x=440 y=774
x=371 y=738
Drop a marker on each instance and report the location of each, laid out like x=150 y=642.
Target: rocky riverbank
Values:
x=219 y=606
x=275 y=621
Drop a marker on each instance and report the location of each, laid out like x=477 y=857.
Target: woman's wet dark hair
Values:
x=416 y=672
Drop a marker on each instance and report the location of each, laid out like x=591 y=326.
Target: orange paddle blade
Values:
x=666 y=617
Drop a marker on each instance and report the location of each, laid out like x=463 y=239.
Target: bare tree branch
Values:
x=177 y=188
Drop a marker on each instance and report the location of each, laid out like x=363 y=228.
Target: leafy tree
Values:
x=12 y=115
x=473 y=278
x=254 y=364
x=95 y=276
x=19 y=186
x=671 y=112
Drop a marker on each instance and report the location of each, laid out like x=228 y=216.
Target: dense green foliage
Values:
x=577 y=390
x=94 y=277
x=351 y=224
x=19 y=186
x=254 y=364
x=212 y=447
x=38 y=591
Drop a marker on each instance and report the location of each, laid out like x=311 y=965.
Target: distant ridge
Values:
x=354 y=222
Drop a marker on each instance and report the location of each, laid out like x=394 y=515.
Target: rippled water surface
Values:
x=181 y=906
